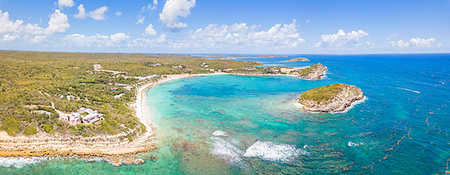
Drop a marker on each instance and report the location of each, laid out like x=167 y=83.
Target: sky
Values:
x=227 y=26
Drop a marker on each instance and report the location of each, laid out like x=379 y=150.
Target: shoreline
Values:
x=112 y=149
x=145 y=118
x=309 y=110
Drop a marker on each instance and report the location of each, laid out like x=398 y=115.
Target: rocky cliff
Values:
x=313 y=72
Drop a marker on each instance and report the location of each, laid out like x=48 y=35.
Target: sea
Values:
x=230 y=124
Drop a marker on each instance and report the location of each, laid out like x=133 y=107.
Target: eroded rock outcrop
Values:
x=313 y=72
x=332 y=98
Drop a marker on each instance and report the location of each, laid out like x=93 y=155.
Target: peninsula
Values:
x=332 y=98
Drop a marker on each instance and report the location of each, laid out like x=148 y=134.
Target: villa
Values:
x=79 y=117
x=74 y=119
x=204 y=65
x=118 y=96
x=91 y=118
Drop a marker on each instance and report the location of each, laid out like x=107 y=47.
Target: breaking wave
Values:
x=273 y=152
x=20 y=162
x=226 y=148
x=353 y=144
x=410 y=90
x=219 y=133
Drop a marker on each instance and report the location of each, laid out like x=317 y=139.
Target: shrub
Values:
x=11 y=127
x=30 y=130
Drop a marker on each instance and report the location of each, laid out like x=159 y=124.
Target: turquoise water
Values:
x=226 y=124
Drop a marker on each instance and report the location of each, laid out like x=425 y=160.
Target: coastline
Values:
x=309 y=110
x=145 y=118
x=60 y=145
x=110 y=148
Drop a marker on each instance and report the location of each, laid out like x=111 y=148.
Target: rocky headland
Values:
x=297 y=59
x=332 y=98
x=313 y=72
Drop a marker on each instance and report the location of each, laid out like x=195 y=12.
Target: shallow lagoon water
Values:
x=227 y=124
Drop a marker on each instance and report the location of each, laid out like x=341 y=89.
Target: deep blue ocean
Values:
x=228 y=124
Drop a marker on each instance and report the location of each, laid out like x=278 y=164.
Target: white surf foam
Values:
x=219 y=133
x=226 y=150
x=20 y=162
x=95 y=159
x=273 y=152
x=410 y=90
x=353 y=144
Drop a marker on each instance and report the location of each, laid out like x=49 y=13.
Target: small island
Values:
x=332 y=98
x=215 y=56
x=297 y=59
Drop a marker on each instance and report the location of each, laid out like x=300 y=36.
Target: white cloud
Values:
x=10 y=37
x=421 y=42
x=415 y=43
x=392 y=36
x=145 y=42
x=37 y=39
x=307 y=21
x=140 y=20
x=342 y=39
x=118 y=37
x=149 y=31
x=98 y=14
x=33 y=29
x=173 y=9
x=65 y=3
x=240 y=35
x=161 y=38
x=81 y=12
x=58 y=23
x=118 y=13
x=149 y=6
x=96 y=40
x=400 y=44
x=7 y=25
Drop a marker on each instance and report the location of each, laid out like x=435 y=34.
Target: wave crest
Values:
x=20 y=162
x=273 y=152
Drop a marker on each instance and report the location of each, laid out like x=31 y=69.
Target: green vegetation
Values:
x=31 y=81
x=310 y=69
x=30 y=130
x=323 y=94
x=297 y=59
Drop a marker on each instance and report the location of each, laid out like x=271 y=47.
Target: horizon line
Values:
x=252 y=54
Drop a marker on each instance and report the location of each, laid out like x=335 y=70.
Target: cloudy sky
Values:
x=227 y=26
